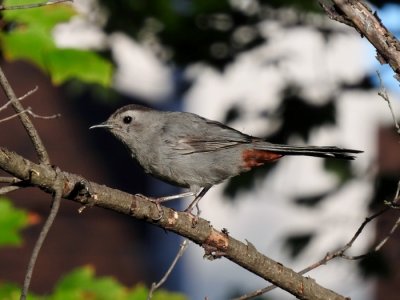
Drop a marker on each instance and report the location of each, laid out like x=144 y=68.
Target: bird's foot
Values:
x=85 y=191
x=157 y=202
x=195 y=217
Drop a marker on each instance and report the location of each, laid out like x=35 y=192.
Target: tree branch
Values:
x=156 y=285
x=359 y=15
x=216 y=243
x=43 y=234
x=26 y=122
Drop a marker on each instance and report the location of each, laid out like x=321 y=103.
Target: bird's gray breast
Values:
x=190 y=151
x=190 y=155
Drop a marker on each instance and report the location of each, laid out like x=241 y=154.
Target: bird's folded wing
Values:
x=205 y=136
x=189 y=146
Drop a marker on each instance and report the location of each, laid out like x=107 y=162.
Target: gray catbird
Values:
x=193 y=152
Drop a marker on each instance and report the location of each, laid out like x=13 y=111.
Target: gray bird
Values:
x=190 y=151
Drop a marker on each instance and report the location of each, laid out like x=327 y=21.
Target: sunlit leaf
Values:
x=65 y=64
x=30 y=39
x=82 y=284
x=30 y=44
x=11 y=291
x=45 y=17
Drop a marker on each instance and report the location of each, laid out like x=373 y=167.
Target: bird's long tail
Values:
x=327 y=151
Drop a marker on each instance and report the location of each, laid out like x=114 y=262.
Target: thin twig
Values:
x=382 y=243
x=329 y=256
x=33 y=5
x=43 y=234
x=3 y=107
x=30 y=112
x=377 y=247
x=6 y=189
x=26 y=122
x=12 y=116
x=7 y=179
x=390 y=204
x=155 y=286
x=383 y=93
x=28 y=93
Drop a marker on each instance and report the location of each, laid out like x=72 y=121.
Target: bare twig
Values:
x=390 y=204
x=341 y=251
x=203 y=233
x=12 y=116
x=28 y=93
x=33 y=5
x=360 y=16
x=329 y=256
x=26 y=122
x=155 y=285
x=382 y=243
x=58 y=185
x=3 y=107
x=10 y=180
x=383 y=93
x=6 y=189
x=30 y=112
x=11 y=187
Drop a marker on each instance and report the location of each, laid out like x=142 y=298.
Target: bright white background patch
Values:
x=267 y=213
x=254 y=81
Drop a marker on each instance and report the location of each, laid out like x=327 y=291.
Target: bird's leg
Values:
x=196 y=201
x=159 y=200
x=173 y=197
x=84 y=190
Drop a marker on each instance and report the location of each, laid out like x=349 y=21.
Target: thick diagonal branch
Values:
x=357 y=14
x=203 y=233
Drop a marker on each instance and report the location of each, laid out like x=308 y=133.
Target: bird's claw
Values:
x=157 y=202
x=85 y=190
x=195 y=217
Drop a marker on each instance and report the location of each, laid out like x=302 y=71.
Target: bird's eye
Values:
x=127 y=119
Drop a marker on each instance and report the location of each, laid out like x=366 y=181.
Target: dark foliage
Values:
x=295 y=244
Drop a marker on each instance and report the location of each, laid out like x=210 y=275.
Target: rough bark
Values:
x=216 y=243
x=359 y=15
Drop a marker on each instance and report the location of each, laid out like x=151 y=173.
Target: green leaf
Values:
x=165 y=295
x=12 y=220
x=11 y=291
x=45 y=17
x=81 y=284
x=30 y=44
x=140 y=292
x=65 y=64
x=31 y=40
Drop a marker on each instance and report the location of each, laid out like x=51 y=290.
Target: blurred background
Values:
x=274 y=69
